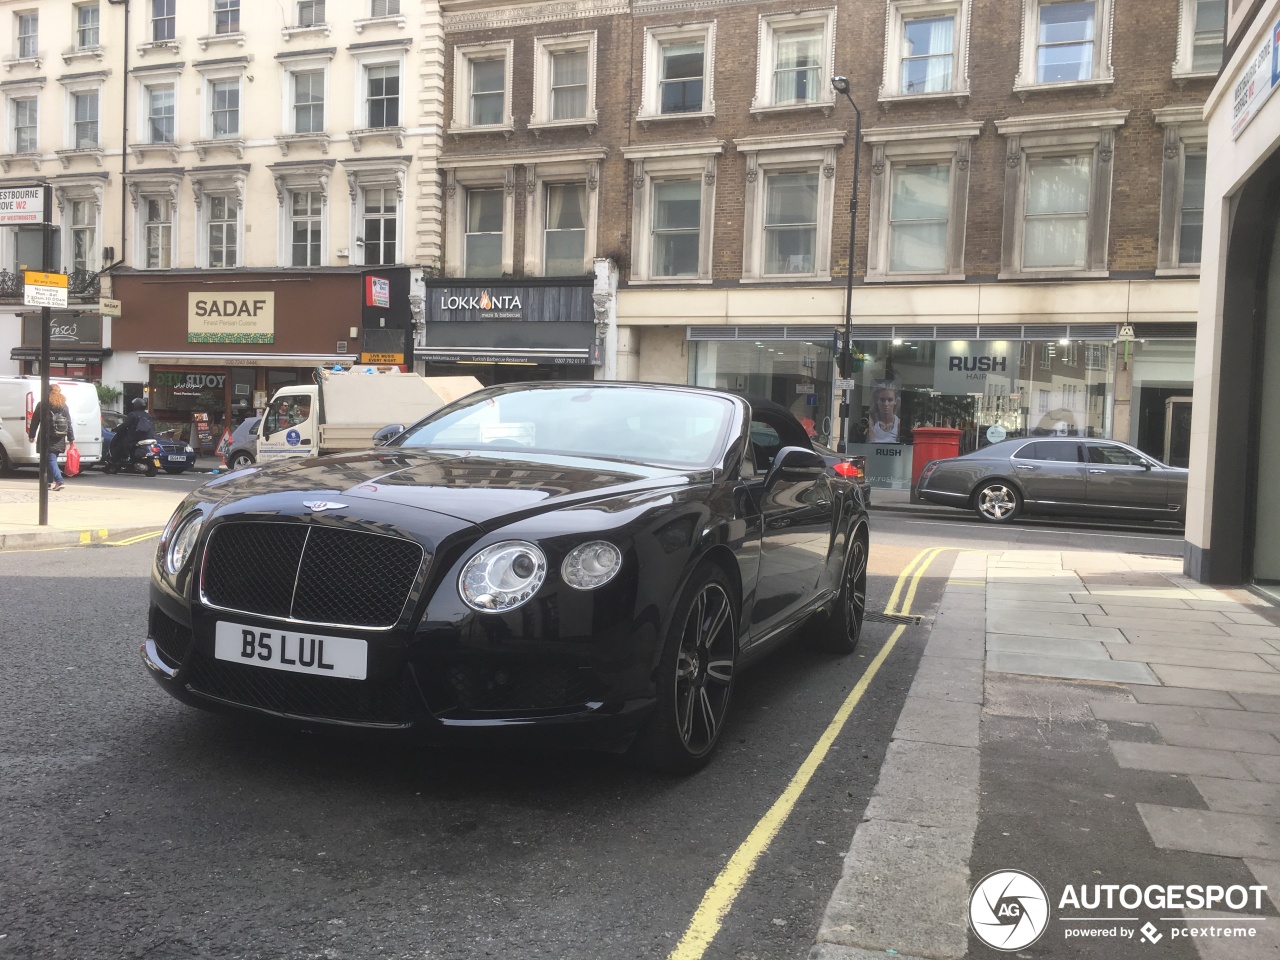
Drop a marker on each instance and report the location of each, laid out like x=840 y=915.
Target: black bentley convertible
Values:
x=590 y=561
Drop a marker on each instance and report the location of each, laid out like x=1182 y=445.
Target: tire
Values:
x=239 y=461
x=841 y=629
x=694 y=677
x=6 y=465
x=997 y=502
x=152 y=469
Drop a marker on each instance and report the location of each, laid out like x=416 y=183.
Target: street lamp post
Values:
x=841 y=85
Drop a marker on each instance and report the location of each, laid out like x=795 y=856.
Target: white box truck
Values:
x=18 y=399
x=342 y=411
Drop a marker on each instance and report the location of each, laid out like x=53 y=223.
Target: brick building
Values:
x=1027 y=197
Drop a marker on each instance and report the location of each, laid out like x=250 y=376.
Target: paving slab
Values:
x=1199 y=640
x=1184 y=697
x=1240 y=796
x=1267 y=872
x=1258 y=701
x=1069 y=668
x=1126 y=601
x=1219 y=738
x=1018 y=626
x=1263 y=769
x=1172 y=675
x=1122 y=712
x=1187 y=656
x=1249 y=616
x=1152 y=619
x=1192 y=761
x=1240 y=719
x=948 y=678
x=1038 y=608
x=939 y=721
x=1267 y=632
x=928 y=785
x=1048 y=646
x=1227 y=606
x=1209 y=831
x=962 y=648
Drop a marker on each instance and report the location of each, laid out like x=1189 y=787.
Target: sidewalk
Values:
x=79 y=513
x=1089 y=719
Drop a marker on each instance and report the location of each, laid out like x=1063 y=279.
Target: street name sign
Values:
x=44 y=289
x=22 y=205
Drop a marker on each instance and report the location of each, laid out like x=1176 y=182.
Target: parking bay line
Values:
x=719 y=899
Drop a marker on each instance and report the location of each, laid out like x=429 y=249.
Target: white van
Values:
x=18 y=398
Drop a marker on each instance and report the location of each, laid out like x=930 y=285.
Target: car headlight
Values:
x=591 y=565
x=502 y=576
x=189 y=450
x=183 y=542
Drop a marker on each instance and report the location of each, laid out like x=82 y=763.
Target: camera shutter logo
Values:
x=1008 y=910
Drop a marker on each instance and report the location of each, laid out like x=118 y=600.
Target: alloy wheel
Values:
x=996 y=501
x=704 y=669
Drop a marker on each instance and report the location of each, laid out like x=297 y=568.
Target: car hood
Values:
x=471 y=486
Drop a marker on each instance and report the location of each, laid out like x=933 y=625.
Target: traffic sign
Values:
x=22 y=205
x=843 y=384
x=44 y=289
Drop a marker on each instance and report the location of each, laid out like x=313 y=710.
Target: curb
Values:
x=71 y=538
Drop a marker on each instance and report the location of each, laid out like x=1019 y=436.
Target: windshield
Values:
x=629 y=423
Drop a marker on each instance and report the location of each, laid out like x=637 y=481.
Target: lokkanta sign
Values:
x=238 y=317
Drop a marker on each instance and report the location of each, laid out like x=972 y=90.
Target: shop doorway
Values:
x=1157 y=404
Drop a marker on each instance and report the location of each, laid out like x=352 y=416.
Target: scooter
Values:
x=144 y=456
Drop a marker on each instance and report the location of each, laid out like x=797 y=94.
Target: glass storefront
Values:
x=989 y=390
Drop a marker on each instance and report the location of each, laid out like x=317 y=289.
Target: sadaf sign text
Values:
x=239 y=317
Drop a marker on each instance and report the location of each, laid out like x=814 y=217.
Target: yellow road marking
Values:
x=718 y=900
x=129 y=541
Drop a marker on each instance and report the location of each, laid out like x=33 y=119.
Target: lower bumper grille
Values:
x=323 y=698
x=173 y=640
x=489 y=688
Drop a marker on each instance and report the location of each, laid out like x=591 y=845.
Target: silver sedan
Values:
x=1057 y=475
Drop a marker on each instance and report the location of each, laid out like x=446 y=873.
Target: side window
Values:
x=1109 y=454
x=286 y=412
x=765 y=444
x=1060 y=451
x=1028 y=451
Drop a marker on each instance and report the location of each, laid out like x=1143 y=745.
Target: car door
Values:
x=796 y=517
x=289 y=428
x=1121 y=478
x=1051 y=473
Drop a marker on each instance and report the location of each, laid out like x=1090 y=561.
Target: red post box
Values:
x=931 y=443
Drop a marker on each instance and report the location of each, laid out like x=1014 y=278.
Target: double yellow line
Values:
x=718 y=900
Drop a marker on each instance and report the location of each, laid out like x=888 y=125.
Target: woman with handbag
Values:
x=54 y=417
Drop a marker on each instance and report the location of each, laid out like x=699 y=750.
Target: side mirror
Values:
x=796 y=463
x=387 y=434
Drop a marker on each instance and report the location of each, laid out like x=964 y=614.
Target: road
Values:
x=133 y=826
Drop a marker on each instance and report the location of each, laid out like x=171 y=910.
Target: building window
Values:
x=1057 y=213
x=306 y=218
x=797 y=70
x=488 y=92
x=1201 y=31
x=1064 y=42
x=790 y=222
x=1046 y=362
x=380 y=208
x=87 y=26
x=384 y=8
x=1059 y=170
x=483 y=252
x=679 y=70
x=928 y=51
x=226 y=16
x=85 y=106
x=565 y=233
x=158 y=233
x=223 y=231
x=224 y=96
x=677 y=220
x=564 y=80
x=1191 y=218
x=569 y=75
x=795 y=60
x=28 y=35
x=919 y=201
x=160 y=113
x=383 y=87
x=25 y=125
x=308 y=101
x=84 y=230
x=310 y=13
x=162 y=20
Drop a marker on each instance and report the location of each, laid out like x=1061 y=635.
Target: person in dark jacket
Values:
x=53 y=416
x=136 y=426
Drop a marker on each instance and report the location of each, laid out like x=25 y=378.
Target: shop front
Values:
x=212 y=351
x=504 y=331
x=1009 y=381
x=75 y=345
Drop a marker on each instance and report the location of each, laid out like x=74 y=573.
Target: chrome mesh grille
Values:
x=310 y=573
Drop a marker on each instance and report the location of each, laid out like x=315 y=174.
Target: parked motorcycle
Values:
x=144 y=457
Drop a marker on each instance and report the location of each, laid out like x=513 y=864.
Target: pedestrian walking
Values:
x=53 y=416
